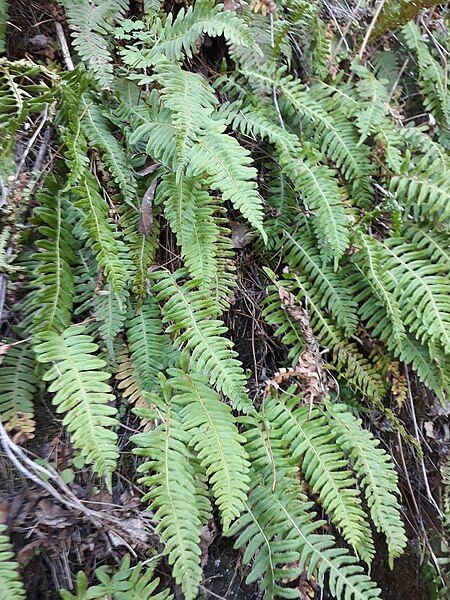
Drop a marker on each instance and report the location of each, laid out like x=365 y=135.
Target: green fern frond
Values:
x=374 y=96
x=91 y=24
x=49 y=304
x=125 y=583
x=97 y=131
x=174 y=38
x=170 y=476
x=11 y=585
x=149 y=345
x=301 y=254
x=82 y=393
x=3 y=23
x=226 y=164
x=279 y=529
x=214 y=436
x=108 y=249
x=193 y=316
x=191 y=101
x=190 y=212
x=315 y=183
x=375 y=471
x=421 y=291
x=18 y=384
x=306 y=435
x=109 y=309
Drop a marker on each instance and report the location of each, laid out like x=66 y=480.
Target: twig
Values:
x=64 y=46
x=370 y=28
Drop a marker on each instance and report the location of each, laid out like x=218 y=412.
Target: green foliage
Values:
x=179 y=124
x=78 y=381
x=18 y=383
x=11 y=585
x=126 y=583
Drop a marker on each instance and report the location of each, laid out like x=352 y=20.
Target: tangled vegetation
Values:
x=181 y=137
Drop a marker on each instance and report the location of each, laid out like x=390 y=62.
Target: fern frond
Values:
x=11 y=585
x=214 y=436
x=375 y=471
x=375 y=96
x=421 y=290
x=315 y=183
x=109 y=311
x=226 y=164
x=279 y=529
x=301 y=255
x=3 y=22
x=91 y=24
x=18 y=384
x=148 y=344
x=125 y=583
x=49 y=305
x=192 y=315
x=170 y=476
x=323 y=464
x=190 y=212
x=174 y=38
x=79 y=383
x=99 y=135
x=108 y=249
x=192 y=102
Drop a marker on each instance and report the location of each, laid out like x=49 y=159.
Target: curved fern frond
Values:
x=226 y=164
x=421 y=290
x=323 y=464
x=192 y=315
x=79 y=382
x=215 y=438
x=376 y=473
x=18 y=384
x=91 y=23
x=11 y=585
x=170 y=476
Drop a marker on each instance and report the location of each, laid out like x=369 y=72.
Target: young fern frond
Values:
x=125 y=583
x=322 y=462
x=170 y=476
x=193 y=316
x=11 y=585
x=375 y=471
x=214 y=436
x=79 y=382
x=18 y=384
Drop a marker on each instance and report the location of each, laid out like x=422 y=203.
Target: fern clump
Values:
x=233 y=275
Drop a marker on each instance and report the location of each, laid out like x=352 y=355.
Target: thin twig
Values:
x=64 y=46
x=370 y=28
